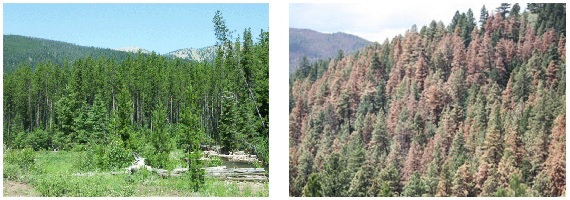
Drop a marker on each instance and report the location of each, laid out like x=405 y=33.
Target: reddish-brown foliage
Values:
x=556 y=162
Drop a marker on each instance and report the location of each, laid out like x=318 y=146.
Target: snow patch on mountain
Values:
x=133 y=49
x=200 y=54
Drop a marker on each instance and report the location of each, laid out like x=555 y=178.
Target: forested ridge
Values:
x=313 y=45
x=146 y=103
x=21 y=49
x=474 y=108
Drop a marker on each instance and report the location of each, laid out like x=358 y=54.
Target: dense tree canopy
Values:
x=21 y=49
x=471 y=109
x=146 y=102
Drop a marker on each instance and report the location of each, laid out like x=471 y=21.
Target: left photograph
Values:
x=138 y=100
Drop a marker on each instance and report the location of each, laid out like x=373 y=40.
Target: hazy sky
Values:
x=159 y=27
x=376 y=22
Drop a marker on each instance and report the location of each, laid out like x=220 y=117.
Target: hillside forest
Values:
x=146 y=103
x=21 y=49
x=472 y=108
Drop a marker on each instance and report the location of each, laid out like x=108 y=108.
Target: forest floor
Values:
x=55 y=175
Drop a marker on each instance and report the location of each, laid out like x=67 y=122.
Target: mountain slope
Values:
x=315 y=45
x=21 y=49
x=462 y=110
x=133 y=49
x=200 y=54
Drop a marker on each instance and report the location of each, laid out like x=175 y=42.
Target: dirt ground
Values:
x=17 y=189
x=255 y=186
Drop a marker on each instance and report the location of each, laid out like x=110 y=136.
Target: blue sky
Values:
x=156 y=27
x=376 y=22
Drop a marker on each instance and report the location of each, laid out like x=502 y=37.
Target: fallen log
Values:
x=85 y=174
x=234 y=174
x=238 y=156
x=222 y=173
x=248 y=170
x=179 y=170
x=237 y=174
x=259 y=179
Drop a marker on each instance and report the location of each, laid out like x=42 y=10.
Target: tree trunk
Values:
x=30 y=108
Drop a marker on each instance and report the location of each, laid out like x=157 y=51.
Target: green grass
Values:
x=53 y=174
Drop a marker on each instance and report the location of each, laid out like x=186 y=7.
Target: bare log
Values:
x=232 y=174
x=259 y=179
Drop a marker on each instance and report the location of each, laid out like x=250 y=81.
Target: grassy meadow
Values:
x=49 y=174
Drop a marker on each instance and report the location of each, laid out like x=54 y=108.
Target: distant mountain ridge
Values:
x=315 y=45
x=133 y=49
x=199 y=54
x=23 y=49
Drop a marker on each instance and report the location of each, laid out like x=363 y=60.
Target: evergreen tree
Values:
x=491 y=184
x=483 y=18
x=458 y=153
x=97 y=122
x=516 y=187
x=357 y=155
x=493 y=147
x=122 y=118
x=430 y=180
x=160 y=137
x=361 y=182
x=385 y=190
x=459 y=143
x=389 y=175
x=313 y=187
x=540 y=185
x=414 y=187
x=462 y=182
x=334 y=180
x=379 y=145
x=555 y=164
x=504 y=9
x=536 y=136
x=444 y=184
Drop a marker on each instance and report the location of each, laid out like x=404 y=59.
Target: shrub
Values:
x=142 y=175
x=39 y=139
x=53 y=185
x=12 y=172
x=79 y=148
x=114 y=156
x=103 y=157
x=137 y=140
x=25 y=158
x=176 y=159
x=129 y=179
x=262 y=149
x=158 y=160
x=20 y=140
x=65 y=185
x=87 y=159
x=61 y=141
x=214 y=161
x=257 y=164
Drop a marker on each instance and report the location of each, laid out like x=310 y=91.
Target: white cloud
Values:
x=378 y=21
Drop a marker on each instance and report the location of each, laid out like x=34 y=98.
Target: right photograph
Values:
x=409 y=101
